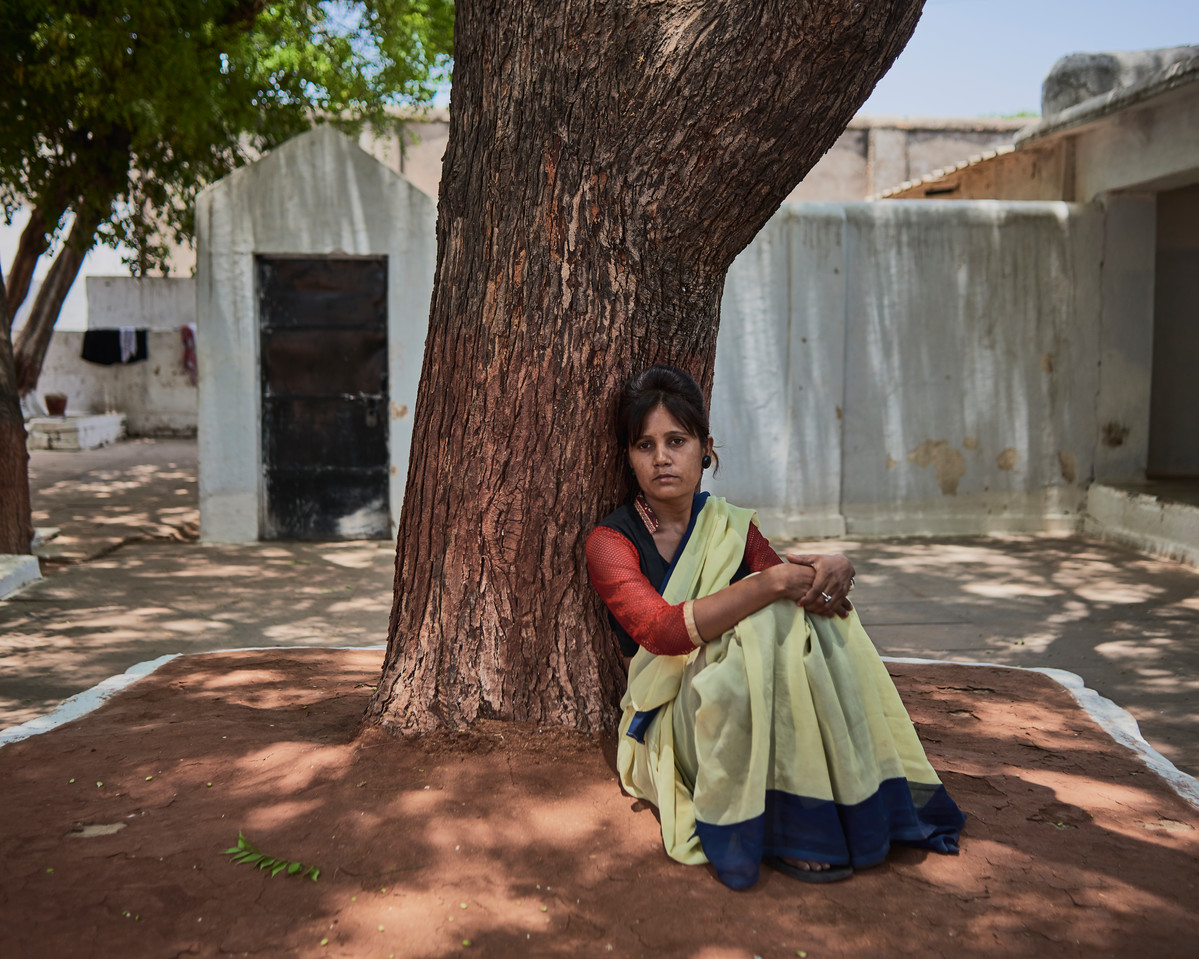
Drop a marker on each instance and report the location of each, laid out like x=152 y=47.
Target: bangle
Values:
x=851 y=582
x=689 y=621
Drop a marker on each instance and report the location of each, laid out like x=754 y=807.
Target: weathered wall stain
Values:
x=1036 y=385
x=948 y=462
x=1066 y=460
x=1007 y=459
x=1114 y=434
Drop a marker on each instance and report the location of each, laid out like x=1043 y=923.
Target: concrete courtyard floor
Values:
x=126 y=581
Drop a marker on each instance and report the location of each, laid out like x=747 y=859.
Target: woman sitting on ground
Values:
x=758 y=718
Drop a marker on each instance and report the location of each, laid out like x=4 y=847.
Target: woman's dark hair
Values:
x=666 y=386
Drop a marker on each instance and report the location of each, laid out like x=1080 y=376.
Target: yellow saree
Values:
x=784 y=737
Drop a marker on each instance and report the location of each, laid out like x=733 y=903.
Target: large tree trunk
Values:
x=606 y=163
x=34 y=338
x=35 y=238
x=16 y=527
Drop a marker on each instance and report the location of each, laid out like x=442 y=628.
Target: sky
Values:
x=972 y=58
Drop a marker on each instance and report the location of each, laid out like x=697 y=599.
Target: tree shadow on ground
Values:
x=100 y=509
x=66 y=634
x=1120 y=619
x=518 y=839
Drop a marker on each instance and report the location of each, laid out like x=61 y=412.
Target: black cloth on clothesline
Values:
x=104 y=347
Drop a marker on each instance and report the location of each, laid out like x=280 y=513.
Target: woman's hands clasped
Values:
x=819 y=584
x=832 y=579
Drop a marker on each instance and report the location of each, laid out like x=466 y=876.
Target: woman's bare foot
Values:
x=807 y=865
x=809 y=870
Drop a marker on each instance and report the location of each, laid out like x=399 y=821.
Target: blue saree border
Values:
x=820 y=830
x=697 y=504
x=639 y=725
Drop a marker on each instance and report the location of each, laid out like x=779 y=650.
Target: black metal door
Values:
x=323 y=349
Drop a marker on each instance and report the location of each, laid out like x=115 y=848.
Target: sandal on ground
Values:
x=832 y=874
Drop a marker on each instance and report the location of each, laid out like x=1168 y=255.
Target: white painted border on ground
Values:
x=17 y=571
x=83 y=703
x=1115 y=720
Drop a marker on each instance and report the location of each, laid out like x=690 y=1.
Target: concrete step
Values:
x=75 y=431
x=1157 y=518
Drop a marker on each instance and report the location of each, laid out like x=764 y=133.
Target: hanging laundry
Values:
x=108 y=347
x=127 y=336
x=188 y=332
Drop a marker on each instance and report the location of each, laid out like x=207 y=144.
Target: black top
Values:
x=626 y=521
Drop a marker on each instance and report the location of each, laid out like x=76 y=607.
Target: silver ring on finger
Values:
x=827 y=598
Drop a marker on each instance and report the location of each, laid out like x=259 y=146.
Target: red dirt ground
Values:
x=516 y=841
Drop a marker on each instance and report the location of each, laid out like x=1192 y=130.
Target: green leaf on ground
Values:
x=245 y=852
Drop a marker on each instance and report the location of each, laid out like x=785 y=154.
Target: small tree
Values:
x=605 y=164
x=116 y=113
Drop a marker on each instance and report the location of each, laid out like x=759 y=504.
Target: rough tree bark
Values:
x=16 y=527
x=606 y=163
x=34 y=338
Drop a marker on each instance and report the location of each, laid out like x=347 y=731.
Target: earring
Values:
x=706 y=461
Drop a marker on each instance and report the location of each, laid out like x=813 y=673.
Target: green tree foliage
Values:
x=120 y=111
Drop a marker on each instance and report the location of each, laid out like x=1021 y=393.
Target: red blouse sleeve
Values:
x=758 y=553
x=615 y=572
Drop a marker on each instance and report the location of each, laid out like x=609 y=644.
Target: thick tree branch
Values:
x=34 y=337
x=35 y=238
x=16 y=527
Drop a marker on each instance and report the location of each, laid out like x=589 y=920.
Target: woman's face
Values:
x=666 y=459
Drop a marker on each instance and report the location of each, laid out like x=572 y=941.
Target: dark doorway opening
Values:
x=323 y=349
x=1174 y=390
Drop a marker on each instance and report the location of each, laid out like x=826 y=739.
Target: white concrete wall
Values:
x=932 y=367
x=317 y=194
x=155 y=395
x=416 y=151
x=160 y=303
x=1143 y=520
x=1150 y=146
x=780 y=367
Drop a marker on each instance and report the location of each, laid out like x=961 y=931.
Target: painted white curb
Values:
x=83 y=703
x=1115 y=720
x=16 y=571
